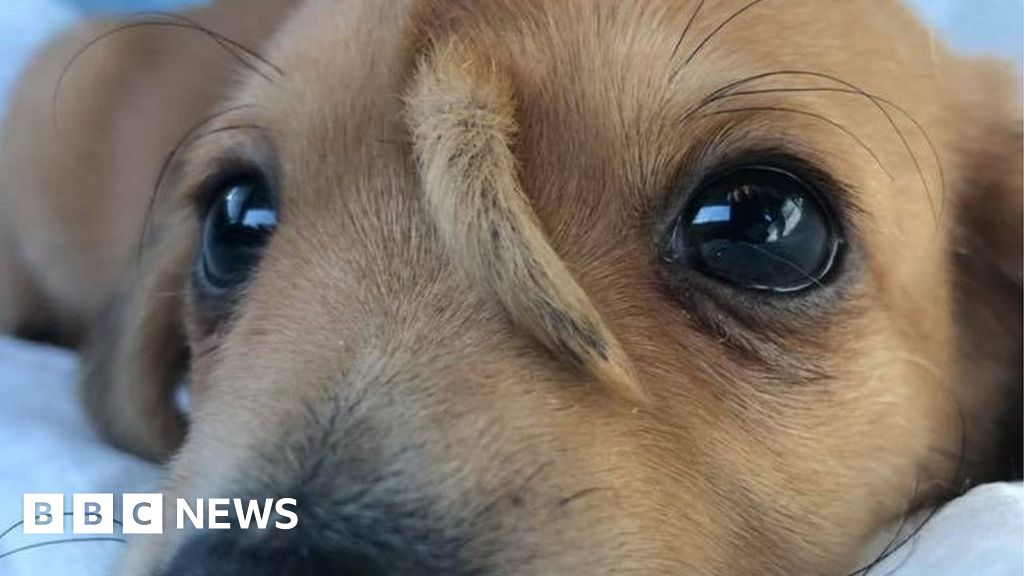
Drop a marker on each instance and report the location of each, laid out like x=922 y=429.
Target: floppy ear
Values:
x=987 y=260
x=136 y=355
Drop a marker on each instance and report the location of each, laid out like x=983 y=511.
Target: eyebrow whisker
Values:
x=809 y=114
x=714 y=33
x=686 y=30
x=936 y=212
x=879 y=102
x=225 y=42
x=190 y=136
x=171 y=21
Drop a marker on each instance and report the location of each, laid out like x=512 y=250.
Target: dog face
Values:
x=583 y=287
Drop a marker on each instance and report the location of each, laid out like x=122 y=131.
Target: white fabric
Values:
x=47 y=446
x=978 y=534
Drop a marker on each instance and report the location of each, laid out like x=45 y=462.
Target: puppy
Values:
x=528 y=286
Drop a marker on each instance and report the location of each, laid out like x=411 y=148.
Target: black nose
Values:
x=232 y=553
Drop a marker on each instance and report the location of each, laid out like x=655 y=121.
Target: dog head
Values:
x=582 y=287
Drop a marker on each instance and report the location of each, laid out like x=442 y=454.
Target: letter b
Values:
x=43 y=513
x=92 y=513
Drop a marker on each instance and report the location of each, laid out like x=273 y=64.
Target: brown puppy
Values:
x=529 y=286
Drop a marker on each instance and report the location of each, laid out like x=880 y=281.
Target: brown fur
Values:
x=471 y=197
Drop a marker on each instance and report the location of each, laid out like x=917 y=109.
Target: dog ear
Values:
x=987 y=261
x=136 y=355
x=462 y=113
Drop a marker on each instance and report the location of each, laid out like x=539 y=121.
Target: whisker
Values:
x=221 y=130
x=233 y=127
x=517 y=492
x=786 y=261
x=230 y=46
x=686 y=30
x=221 y=39
x=14 y=526
x=62 y=541
x=565 y=501
x=958 y=484
x=183 y=143
x=937 y=213
x=903 y=523
x=715 y=32
x=866 y=569
x=808 y=114
x=877 y=101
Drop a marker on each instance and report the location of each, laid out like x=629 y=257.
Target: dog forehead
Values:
x=348 y=61
x=345 y=46
x=595 y=83
x=612 y=42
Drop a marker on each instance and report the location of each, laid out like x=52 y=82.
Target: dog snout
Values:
x=335 y=535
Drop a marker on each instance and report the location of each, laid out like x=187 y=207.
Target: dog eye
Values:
x=757 y=228
x=235 y=229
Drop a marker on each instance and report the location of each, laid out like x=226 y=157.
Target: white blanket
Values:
x=47 y=446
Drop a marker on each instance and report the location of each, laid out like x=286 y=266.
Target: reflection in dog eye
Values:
x=237 y=226
x=758 y=228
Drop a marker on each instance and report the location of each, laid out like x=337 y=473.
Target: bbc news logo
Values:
x=144 y=513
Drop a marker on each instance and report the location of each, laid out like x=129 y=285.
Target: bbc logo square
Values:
x=43 y=513
x=92 y=513
x=143 y=513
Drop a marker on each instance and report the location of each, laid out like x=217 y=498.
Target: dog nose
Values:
x=231 y=553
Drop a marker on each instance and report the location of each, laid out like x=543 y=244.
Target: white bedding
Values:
x=47 y=446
